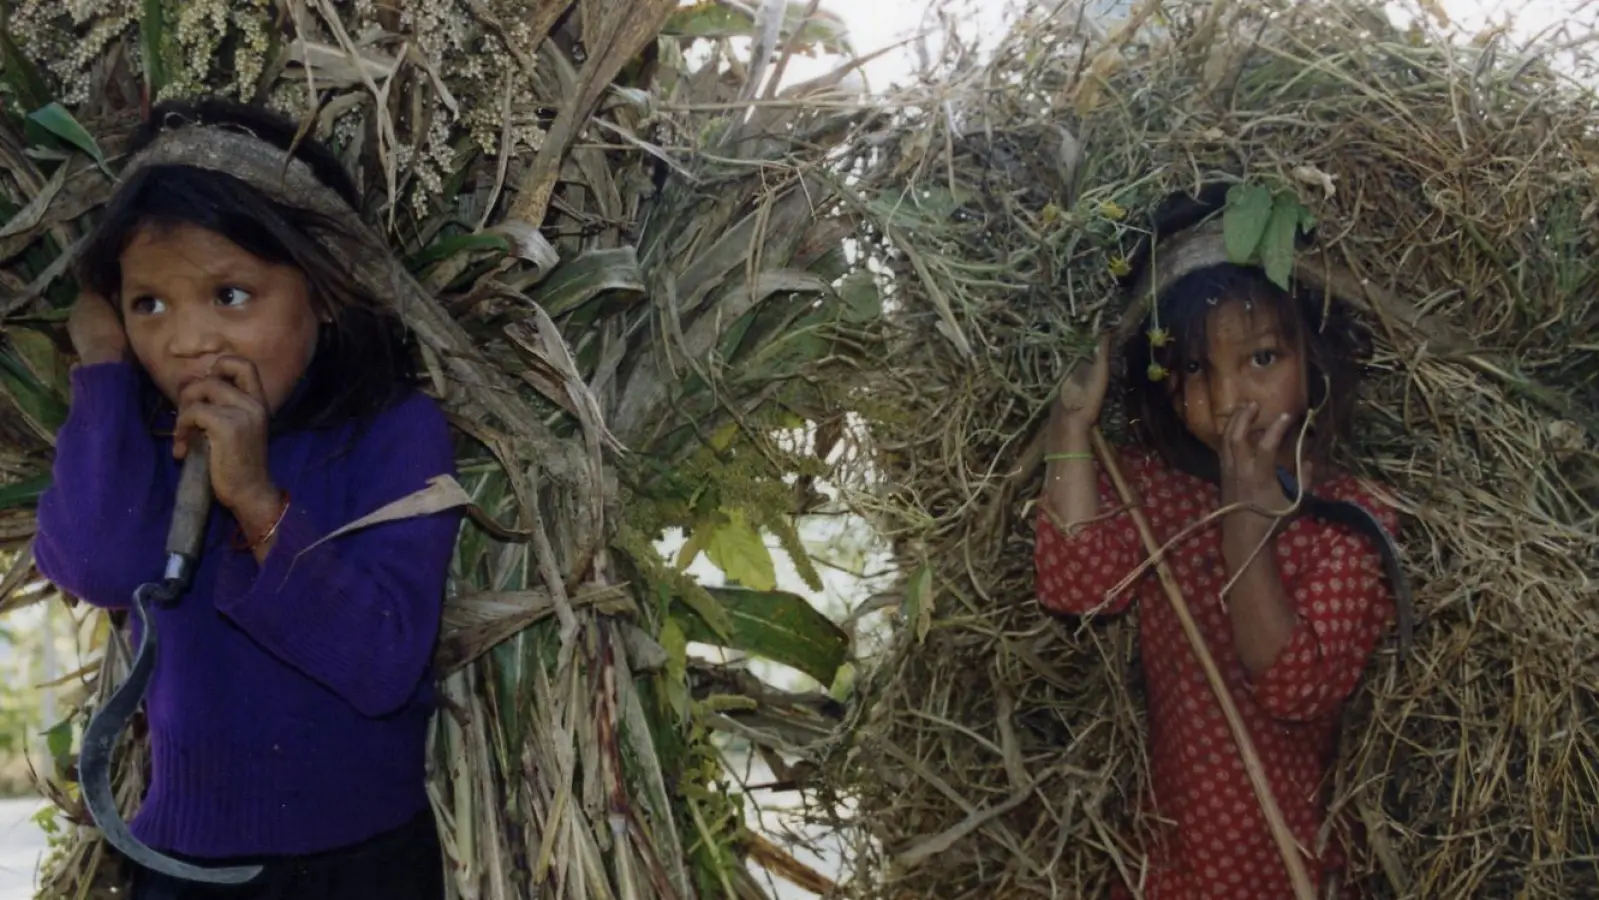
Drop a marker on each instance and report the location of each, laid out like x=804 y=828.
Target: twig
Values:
x=1286 y=845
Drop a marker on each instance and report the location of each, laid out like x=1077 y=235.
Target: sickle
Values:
x=1358 y=518
x=100 y=738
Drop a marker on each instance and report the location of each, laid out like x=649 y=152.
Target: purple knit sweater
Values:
x=290 y=701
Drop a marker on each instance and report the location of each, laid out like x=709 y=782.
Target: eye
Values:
x=1263 y=358
x=146 y=305
x=232 y=296
x=1192 y=367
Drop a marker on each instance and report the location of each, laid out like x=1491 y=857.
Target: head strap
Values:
x=282 y=178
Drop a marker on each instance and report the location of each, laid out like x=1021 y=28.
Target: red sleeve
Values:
x=1343 y=602
x=1076 y=570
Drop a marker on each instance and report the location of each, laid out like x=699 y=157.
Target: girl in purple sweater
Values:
x=290 y=701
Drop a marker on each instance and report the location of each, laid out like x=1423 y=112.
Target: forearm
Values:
x=258 y=515
x=1262 y=617
x=1071 y=484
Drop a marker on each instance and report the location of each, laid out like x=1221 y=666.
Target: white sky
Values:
x=875 y=24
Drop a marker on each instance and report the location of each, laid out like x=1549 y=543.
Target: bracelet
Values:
x=243 y=544
x=1053 y=457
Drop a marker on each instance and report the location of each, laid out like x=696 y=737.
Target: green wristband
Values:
x=1053 y=457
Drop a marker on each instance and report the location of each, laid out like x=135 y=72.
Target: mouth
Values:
x=187 y=380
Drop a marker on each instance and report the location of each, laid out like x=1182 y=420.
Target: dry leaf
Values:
x=33 y=213
x=442 y=493
x=1316 y=178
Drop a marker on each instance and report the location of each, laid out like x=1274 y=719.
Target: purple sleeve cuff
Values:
x=102 y=521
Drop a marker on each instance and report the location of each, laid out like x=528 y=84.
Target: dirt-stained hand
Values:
x=1249 y=467
x=96 y=331
x=230 y=407
x=1082 y=391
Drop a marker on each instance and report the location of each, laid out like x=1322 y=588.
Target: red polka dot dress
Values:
x=1213 y=841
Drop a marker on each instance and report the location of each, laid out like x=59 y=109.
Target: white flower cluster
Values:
x=434 y=162
x=254 y=42
x=201 y=26
x=66 y=39
x=480 y=48
x=440 y=28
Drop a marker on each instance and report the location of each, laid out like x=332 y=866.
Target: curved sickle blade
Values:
x=1356 y=517
x=94 y=765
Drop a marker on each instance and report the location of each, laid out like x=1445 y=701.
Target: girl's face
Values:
x=1249 y=360
x=190 y=296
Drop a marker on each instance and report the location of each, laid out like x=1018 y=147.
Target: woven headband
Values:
x=1205 y=245
x=1173 y=258
x=288 y=181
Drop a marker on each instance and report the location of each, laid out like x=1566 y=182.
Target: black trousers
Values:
x=404 y=864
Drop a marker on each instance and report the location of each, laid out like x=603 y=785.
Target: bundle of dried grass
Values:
x=998 y=751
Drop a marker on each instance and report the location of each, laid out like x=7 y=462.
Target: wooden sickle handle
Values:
x=193 y=504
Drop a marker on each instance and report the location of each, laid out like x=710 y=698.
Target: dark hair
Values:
x=363 y=361
x=1323 y=327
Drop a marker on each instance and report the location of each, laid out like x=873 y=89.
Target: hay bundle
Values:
x=998 y=751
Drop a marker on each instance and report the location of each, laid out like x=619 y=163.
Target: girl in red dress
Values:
x=1221 y=379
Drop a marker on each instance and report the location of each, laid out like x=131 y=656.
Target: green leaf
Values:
x=784 y=352
x=927 y=205
x=1243 y=222
x=444 y=248
x=780 y=626
x=719 y=20
x=1277 y=248
x=48 y=317
x=696 y=597
x=54 y=118
x=58 y=740
x=674 y=641
x=737 y=549
x=152 y=34
x=38 y=404
x=594 y=273
x=693 y=547
x=44 y=360
x=20 y=74
x=734 y=337
x=24 y=493
x=863 y=302
x=919 y=601
x=823 y=29
x=709 y=20
x=843 y=686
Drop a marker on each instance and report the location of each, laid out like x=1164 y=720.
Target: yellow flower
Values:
x=1157 y=372
x=1110 y=209
x=1159 y=337
x=1050 y=214
x=1119 y=267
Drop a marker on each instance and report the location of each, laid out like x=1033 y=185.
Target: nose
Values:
x=195 y=331
x=1226 y=395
